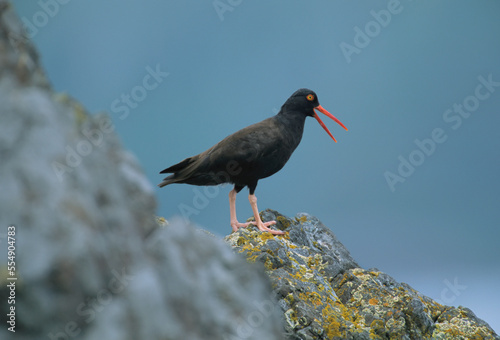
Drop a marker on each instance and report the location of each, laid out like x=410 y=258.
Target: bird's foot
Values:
x=237 y=225
x=263 y=226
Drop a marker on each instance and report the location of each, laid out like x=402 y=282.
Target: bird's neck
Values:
x=293 y=124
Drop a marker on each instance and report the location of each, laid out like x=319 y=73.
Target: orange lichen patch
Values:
x=315 y=298
x=339 y=320
x=371 y=307
x=332 y=324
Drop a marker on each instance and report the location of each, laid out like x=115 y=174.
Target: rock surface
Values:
x=323 y=293
x=91 y=262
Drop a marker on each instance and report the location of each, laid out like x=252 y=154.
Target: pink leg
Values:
x=232 y=211
x=261 y=225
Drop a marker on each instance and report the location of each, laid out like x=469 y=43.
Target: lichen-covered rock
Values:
x=91 y=262
x=323 y=293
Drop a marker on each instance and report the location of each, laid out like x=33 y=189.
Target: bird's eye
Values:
x=310 y=97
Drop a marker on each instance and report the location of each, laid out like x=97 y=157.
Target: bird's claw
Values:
x=237 y=225
x=263 y=226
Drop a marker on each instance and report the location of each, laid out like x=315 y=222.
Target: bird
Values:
x=252 y=153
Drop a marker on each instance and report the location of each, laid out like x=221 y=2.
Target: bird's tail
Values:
x=166 y=181
x=176 y=170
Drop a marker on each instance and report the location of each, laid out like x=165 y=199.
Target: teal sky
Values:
x=412 y=188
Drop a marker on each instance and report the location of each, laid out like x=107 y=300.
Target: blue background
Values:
x=438 y=228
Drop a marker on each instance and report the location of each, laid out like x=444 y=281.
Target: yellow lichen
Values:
x=240 y=241
x=363 y=291
x=265 y=236
x=332 y=325
x=161 y=221
x=284 y=221
x=291 y=318
x=301 y=219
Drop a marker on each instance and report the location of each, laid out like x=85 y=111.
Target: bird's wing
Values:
x=243 y=149
x=179 y=166
x=246 y=145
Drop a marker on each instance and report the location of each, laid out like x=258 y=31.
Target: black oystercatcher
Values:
x=255 y=152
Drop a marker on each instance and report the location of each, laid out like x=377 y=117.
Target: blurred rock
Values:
x=91 y=261
x=323 y=294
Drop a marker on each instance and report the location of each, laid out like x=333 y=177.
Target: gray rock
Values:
x=91 y=262
x=323 y=294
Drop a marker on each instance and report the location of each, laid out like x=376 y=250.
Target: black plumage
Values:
x=257 y=151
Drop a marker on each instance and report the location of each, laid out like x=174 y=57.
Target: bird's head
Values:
x=306 y=102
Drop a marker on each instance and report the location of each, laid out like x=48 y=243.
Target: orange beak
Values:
x=322 y=110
